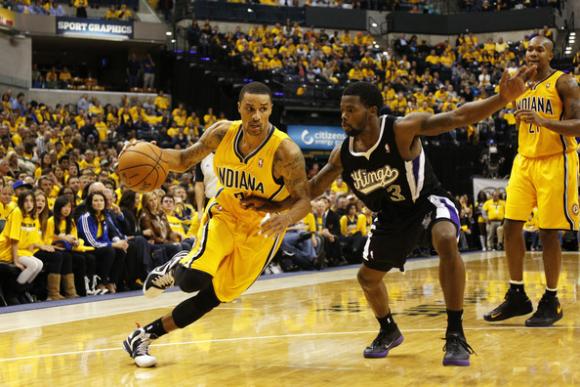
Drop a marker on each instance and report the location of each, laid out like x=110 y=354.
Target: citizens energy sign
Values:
x=94 y=28
x=316 y=137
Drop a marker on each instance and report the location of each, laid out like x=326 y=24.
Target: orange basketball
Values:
x=142 y=168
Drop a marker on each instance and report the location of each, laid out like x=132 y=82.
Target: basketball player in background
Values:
x=252 y=157
x=544 y=173
x=385 y=166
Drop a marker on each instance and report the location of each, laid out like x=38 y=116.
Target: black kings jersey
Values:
x=381 y=178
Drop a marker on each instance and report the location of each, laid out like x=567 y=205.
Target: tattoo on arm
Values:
x=289 y=164
x=208 y=143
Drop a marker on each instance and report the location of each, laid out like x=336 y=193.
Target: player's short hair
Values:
x=255 y=88
x=545 y=38
x=368 y=93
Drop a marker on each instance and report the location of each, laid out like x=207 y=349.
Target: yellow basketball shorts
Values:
x=551 y=184
x=231 y=251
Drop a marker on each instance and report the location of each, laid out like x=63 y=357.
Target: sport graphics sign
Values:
x=94 y=27
x=314 y=137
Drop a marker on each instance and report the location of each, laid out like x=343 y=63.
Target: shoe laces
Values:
x=455 y=342
x=163 y=281
x=143 y=343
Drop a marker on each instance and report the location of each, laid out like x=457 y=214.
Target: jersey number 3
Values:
x=395 y=192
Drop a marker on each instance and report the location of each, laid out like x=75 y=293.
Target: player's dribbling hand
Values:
x=512 y=86
x=274 y=224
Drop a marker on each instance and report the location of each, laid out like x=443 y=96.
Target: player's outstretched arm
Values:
x=324 y=178
x=570 y=124
x=183 y=160
x=289 y=164
x=425 y=124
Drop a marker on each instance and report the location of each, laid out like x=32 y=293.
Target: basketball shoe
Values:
x=549 y=311
x=161 y=277
x=456 y=349
x=516 y=304
x=383 y=343
x=137 y=346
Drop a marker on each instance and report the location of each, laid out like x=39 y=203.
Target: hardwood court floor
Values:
x=305 y=330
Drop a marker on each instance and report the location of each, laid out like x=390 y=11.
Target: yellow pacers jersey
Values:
x=534 y=141
x=251 y=175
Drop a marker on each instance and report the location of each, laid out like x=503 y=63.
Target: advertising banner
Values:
x=314 y=137
x=94 y=27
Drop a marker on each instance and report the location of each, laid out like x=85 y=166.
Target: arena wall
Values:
x=15 y=61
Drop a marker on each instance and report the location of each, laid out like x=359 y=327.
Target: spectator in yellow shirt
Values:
x=209 y=119
x=161 y=101
x=353 y=229
x=493 y=211
x=339 y=186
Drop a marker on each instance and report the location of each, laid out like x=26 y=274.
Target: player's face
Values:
x=539 y=53
x=255 y=110
x=354 y=115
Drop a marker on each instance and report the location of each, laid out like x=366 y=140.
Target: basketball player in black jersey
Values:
x=384 y=164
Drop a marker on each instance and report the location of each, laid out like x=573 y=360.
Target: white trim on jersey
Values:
x=368 y=242
x=416 y=182
x=443 y=210
x=368 y=153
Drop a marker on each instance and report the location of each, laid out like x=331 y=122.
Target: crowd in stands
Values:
x=502 y=5
x=54 y=8
x=140 y=73
x=51 y=78
x=412 y=6
x=413 y=75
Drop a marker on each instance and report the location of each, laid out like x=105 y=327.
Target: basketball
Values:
x=142 y=168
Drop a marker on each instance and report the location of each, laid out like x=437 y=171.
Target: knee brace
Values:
x=195 y=307
x=191 y=280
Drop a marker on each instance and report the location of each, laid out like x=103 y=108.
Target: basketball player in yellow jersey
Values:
x=545 y=173
x=254 y=158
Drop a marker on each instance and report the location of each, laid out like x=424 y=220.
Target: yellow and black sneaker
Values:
x=549 y=311
x=516 y=303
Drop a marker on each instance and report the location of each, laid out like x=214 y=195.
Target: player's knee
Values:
x=549 y=235
x=191 y=280
x=446 y=243
x=365 y=280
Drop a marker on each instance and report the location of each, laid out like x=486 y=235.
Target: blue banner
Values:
x=94 y=27
x=314 y=137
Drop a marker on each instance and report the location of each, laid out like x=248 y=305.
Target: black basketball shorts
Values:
x=395 y=234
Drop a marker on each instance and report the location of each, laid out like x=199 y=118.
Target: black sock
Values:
x=517 y=287
x=550 y=293
x=155 y=329
x=455 y=321
x=387 y=323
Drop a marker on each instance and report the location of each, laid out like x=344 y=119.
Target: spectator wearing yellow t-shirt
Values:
x=339 y=186
x=493 y=211
x=353 y=230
